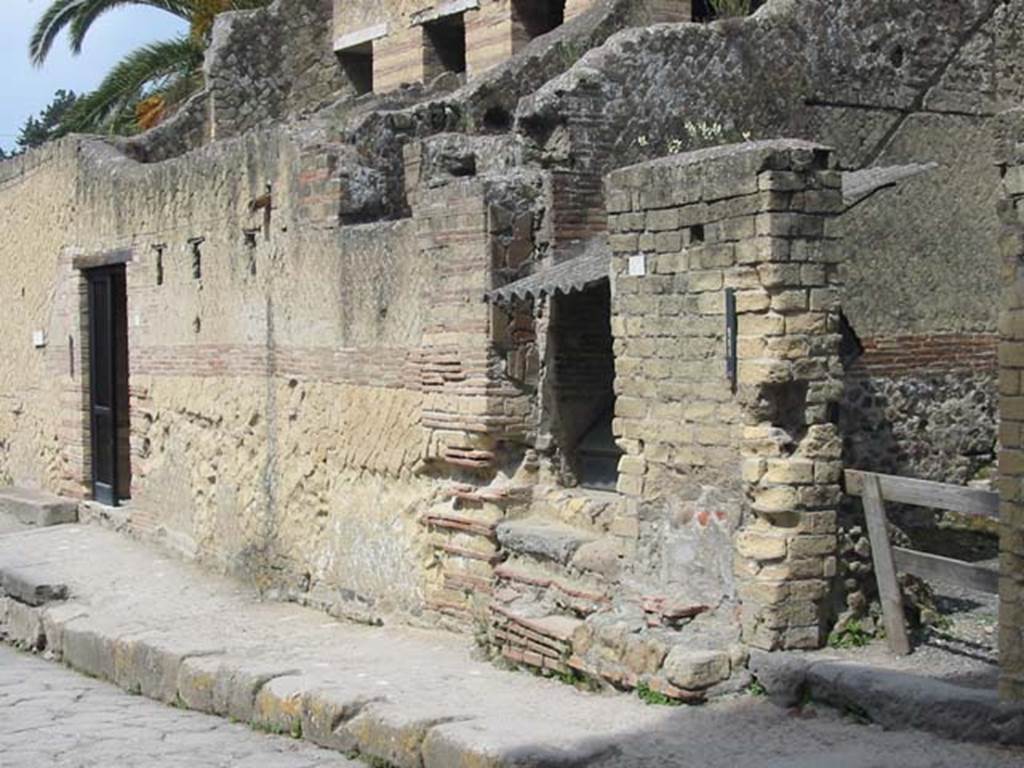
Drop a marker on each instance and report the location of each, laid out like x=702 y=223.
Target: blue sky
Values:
x=24 y=89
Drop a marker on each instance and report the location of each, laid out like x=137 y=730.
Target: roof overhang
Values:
x=575 y=274
x=859 y=185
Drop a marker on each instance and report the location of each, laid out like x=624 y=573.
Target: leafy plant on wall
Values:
x=150 y=82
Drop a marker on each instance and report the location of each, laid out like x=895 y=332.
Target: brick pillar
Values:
x=69 y=364
x=492 y=36
x=399 y=58
x=470 y=407
x=750 y=218
x=792 y=457
x=1010 y=149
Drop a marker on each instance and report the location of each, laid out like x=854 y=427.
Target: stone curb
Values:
x=23 y=585
x=277 y=699
x=890 y=698
x=37 y=508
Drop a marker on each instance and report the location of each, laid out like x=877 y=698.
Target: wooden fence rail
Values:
x=874 y=490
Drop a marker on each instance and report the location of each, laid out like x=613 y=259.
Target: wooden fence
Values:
x=874 y=490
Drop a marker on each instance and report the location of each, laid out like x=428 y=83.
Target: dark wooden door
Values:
x=108 y=334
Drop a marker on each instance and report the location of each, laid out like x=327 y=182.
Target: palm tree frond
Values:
x=158 y=64
x=55 y=18
x=170 y=70
x=88 y=11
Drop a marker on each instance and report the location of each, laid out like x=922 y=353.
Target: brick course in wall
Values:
x=915 y=354
x=750 y=218
x=1010 y=148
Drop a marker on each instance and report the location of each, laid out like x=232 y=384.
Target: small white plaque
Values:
x=637 y=266
x=38 y=339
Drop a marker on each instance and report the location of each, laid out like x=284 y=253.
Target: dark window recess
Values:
x=445 y=45
x=538 y=17
x=357 y=64
x=159 y=263
x=197 y=258
x=497 y=119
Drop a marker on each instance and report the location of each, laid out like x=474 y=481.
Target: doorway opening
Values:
x=444 y=46
x=533 y=18
x=109 y=421
x=584 y=377
x=357 y=64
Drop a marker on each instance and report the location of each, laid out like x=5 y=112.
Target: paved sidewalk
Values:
x=409 y=697
x=9 y=523
x=51 y=716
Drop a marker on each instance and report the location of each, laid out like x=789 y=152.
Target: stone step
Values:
x=32 y=507
x=31 y=586
x=542 y=539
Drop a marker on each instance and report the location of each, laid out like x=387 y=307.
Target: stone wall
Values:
x=271 y=64
x=755 y=467
x=396 y=35
x=262 y=66
x=1010 y=159
x=294 y=399
x=37 y=189
x=338 y=415
x=881 y=94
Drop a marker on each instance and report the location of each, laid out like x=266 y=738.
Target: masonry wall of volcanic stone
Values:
x=299 y=388
x=752 y=470
x=319 y=387
x=921 y=399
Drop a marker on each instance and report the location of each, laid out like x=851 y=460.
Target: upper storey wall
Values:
x=884 y=84
x=263 y=66
x=382 y=46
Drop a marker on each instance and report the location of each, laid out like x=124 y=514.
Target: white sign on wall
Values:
x=38 y=339
x=637 y=266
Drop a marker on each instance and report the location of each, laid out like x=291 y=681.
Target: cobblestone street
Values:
x=52 y=716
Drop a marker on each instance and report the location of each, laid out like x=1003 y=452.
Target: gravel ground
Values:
x=962 y=651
